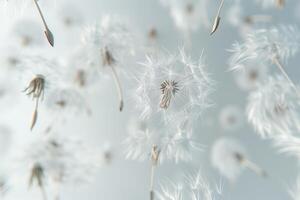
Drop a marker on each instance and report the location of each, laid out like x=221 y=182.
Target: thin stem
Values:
x=47 y=31
x=118 y=86
x=41 y=14
x=282 y=70
x=220 y=8
x=252 y=166
x=35 y=114
x=43 y=191
x=152 y=181
x=217 y=19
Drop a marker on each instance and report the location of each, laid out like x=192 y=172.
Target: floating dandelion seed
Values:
x=38 y=74
x=268 y=46
x=230 y=118
x=70 y=15
x=272 y=108
x=217 y=19
x=110 y=45
x=253 y=74
x=29 y=36
x=35 y=89
x=271 y=3
x=163 y=143
x=229 y=158
x=57 y=160
x=172 y=86
x=37 y=174
x=47 y=31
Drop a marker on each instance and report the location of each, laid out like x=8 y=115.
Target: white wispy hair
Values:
x=113 y=34
x=231 y=117
x=176 y=143
x=194 y=187
x=272 y=108
x=172 y=87
x=264 y=45
x=66 y=100
x=63 y=159
x=288 y=144
x=31 y=66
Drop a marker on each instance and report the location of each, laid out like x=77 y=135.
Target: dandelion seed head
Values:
x=66 y=101
x=39 y=68
x=171 y=86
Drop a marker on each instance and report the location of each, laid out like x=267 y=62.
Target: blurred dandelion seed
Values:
x=108 y=60
x=37 y=174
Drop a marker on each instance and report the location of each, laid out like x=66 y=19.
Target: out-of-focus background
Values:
x=106 y=128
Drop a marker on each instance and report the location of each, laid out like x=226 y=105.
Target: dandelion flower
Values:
x=194 y=187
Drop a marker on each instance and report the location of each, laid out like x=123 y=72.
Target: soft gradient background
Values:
x=125 y=179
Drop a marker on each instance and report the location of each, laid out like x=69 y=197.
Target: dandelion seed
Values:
x=268 y=46
x=163 y=143
x=38 y=74
x=253 y=74
x=271 y=3
x=230 y=118
x=35 y=89
x=47 y=31
x=188 y=15
x=108 y=45
x=56 y=159
x=37 y=174
x=272 y=108
x=30 y=36
x=217 y=19
x=229 y=158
